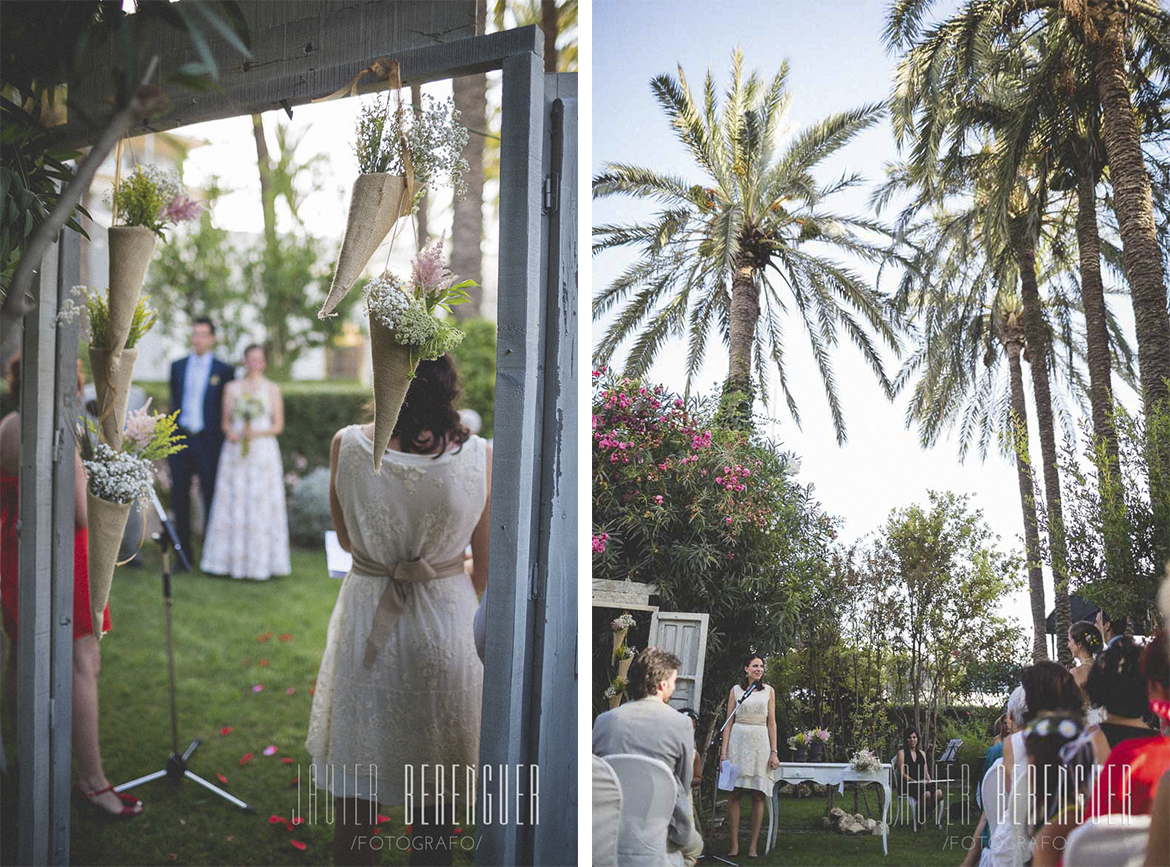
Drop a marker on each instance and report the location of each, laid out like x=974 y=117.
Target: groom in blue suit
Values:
x=197 y=383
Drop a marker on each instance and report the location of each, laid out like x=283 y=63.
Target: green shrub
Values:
x=308 y=510
x=476 y=359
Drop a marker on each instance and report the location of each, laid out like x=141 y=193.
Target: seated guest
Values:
x=1116 y=684
x=1059 y=787
x=1047 y=688
x=1147 y=758
x=914 y=776
x=649 y=726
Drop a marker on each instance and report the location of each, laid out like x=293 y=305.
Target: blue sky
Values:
x=837 y=62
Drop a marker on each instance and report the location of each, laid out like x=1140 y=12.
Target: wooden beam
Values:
x=504 y=729
x=553 y=707
x=38 y=383
x=311 y=51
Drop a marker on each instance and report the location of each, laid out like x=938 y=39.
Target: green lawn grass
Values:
x=802 y=842
x=228 y=639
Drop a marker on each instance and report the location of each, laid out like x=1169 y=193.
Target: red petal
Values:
x=276 y=820
x=290 y=690
x=247 y=758
x=383 y=819
x=458 y=830
x=289 y=826
x=264 y=637
x=222 y=778
x=297 y=843
x=287 y=760
x=286 y=637
x=312 y=690
x=297 y=820
x=296 y=780
x=377 y=831
x=264 y=662
x=225 y=731
x=258 y=688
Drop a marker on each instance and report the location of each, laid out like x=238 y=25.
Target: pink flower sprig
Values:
x=140 y=426
x=181 y=209
x=599 y=541
x=428 y=273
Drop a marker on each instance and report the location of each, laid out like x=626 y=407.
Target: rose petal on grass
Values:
x=290 y=690
x=222 y=778
x=289 y=826
x=270 y=750
x=286 y=636
x=298 y=844
x=296 y=781
x=264 y=663
x=225 y=731
x=264 y=637
x=247 y=758
x=287 y=760
x=258 y=688
x=382 y=819
x=458 y=830
x=276 y=820
x=298 y=820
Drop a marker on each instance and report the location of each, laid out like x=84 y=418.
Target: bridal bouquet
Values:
x=247 y=408
x=865 y=760
x=404 y=330
x=143 y=204
x=119 y=475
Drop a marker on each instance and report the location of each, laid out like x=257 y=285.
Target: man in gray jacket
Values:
x=649 y=726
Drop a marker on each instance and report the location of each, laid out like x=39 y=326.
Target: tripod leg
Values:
x=148 y=778
x=217 y=790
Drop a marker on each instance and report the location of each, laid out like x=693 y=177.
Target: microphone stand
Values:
x=707 y=854
x=176 y=764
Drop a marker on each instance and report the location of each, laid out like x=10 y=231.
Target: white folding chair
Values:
x=989 y=795
x=607 y=813
x=649 y=793
x=1107 y=841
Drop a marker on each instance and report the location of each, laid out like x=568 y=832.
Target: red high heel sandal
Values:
x=131 y=806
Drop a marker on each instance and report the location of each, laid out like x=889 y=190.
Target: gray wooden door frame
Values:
x=529 y=708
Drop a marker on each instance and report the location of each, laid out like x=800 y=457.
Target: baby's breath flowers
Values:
x=118 y=477
x=409 y=308
x=433 y=135
x=127 y=474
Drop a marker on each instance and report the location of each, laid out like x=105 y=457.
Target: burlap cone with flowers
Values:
x=376 y=203
x=392 y=370
x=107 y=523
x=112 y=384
x=130 y=250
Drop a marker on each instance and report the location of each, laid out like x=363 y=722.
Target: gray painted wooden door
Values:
x=684 y=634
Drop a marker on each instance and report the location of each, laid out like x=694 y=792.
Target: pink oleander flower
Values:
x=599 y=542
x=180 y=209
x=140 y=426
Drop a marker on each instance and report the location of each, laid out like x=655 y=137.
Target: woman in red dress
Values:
x=92 y=789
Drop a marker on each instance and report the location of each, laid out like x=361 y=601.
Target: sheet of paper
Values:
x=338 y=559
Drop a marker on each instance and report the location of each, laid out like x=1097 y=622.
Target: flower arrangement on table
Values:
x=797 y=741
x=143 y=205
x=822 y=735
x=865 y=760
x=247 y=408
x=405 y=329
x=401 y=153
x=117 y=477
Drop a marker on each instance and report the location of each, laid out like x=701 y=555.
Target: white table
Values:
x=829 y=775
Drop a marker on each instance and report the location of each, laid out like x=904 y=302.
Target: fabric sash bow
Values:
x=393 y=601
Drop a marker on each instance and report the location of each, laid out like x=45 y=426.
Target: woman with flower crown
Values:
x=247 y=530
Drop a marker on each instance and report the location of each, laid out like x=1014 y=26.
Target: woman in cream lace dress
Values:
x=400 y=683
x=247 y=530
x=749 y=742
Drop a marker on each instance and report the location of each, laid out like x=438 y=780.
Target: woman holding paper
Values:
x=749 y=743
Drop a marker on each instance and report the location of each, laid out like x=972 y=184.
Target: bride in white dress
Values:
x=247 y=530
x=400 y=683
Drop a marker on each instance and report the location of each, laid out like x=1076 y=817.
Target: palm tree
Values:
x=949 y=59
x=754 y=230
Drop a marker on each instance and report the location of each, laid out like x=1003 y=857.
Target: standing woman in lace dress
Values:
x=749 y=741
x=247 y=530
x=400 y=683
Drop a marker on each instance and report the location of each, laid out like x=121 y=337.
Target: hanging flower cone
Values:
x=624 y=667
x=130 y=250
x=375 y=205
x=113 y=390
x=107 y=522
x=615 y=701
x=392 y=369
x=619 y=639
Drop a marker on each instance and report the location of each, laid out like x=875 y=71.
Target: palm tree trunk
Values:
x=745 y=314
x=1135 y=212
x=1012 y=348
x=1037 y=337
x=422 y=212
x=469 y=93
x=548 y=24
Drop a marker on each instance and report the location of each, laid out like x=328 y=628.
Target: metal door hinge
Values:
x=552 y=194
